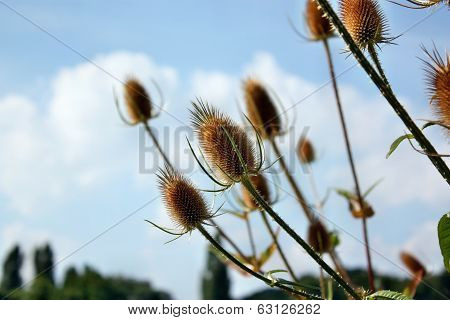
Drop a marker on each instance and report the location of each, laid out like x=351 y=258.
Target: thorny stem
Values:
x=158 y=146
x=298 y=194
x=386 y=91
x=373 y=54
x=257 y=275
x=280 y=251
x=249 y=186
x=350 y=160
x=250 y=236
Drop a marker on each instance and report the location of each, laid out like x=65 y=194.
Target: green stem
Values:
x=253 y=273
x=386 y=91
x=280 y=251
x=249 y=186
x=373 y=54
x=350 y=158
x=157 y=145
x=250 y=237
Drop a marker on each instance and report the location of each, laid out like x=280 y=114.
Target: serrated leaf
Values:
x=387 y=295
x=397 y=142
x=444 y=239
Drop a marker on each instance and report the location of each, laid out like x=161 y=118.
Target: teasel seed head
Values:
x=139 y=106
x=261 y=110
x=358 y=212
x=305 y=151
x=260 y=183
x=413 y=264
x=438 y=85
x=365 y=22
x=184 y=202
x=318 y=24
x=216 y=132
x=318 y=237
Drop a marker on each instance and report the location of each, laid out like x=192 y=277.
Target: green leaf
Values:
x=370 y=189
x=444 y=239
x=334 y=239
x=396 y=143
x=387 y=295
x=266 y=254
x=345 y=193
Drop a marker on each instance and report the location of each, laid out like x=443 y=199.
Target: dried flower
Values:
x=318 y=237
x=260 y=184
x=137 y=101
x=359 y=212
x=364 y=21
x=305 y=151
x=261 y=109
x=318 y=24
x=413 y=265
x=185 y=204
x=217 y=133
x=438 y=84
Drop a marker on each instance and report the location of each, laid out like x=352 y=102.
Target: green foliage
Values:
x=43 y=263
x=387 y=295
x=11 y=270
x=397 y=142
x=444 y=239
x=215 y=282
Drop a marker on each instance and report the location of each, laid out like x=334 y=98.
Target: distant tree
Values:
x=215 y=283
x=11 y=270
x=43 y=263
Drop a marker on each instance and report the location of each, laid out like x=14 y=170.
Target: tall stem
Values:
x=253 y=273
x=280 y=251
x=249 y=186
x=386 y=91
x=351 y=162
x=298 y=193
x=157 y=145
x=250 y=237
x=373 y=54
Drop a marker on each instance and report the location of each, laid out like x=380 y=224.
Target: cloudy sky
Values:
x=71 y=172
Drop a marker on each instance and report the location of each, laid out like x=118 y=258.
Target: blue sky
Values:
x=69 y=169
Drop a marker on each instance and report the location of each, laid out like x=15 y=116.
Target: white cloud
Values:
x=74 y=142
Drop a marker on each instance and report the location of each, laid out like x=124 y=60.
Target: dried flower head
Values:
x=260 y=183
x=413 y=265
x=358 y=212
x=139 y=106
x=364 y=21
x=184 y=202
x=318 y=24
x=318 y=237
x=217 y=133
x=261 y=110
x=305 y=151
x=438 y=84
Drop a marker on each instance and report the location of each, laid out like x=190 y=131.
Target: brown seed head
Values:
x=261 y=109
x=413 y=265
x=319 y=26
x=216 y=132
x=438 y=85
x=261 y=186
x=364 y=21
x=137 y=101
x=318 y=237
x=185 y=204
x=359 y=212
x=305 y=151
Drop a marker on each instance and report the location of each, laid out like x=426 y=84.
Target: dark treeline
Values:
x=89 y=284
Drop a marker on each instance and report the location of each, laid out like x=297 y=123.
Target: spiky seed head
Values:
x=305 y=151
x=364 y=21
x=318 y=24
x=137 y=100
x=216 y=133
x=318 y=237
x=358 y=212
x=184 y=202
x=412 y=263
x=260 y=109
x=438 y=84
x=260 y=183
